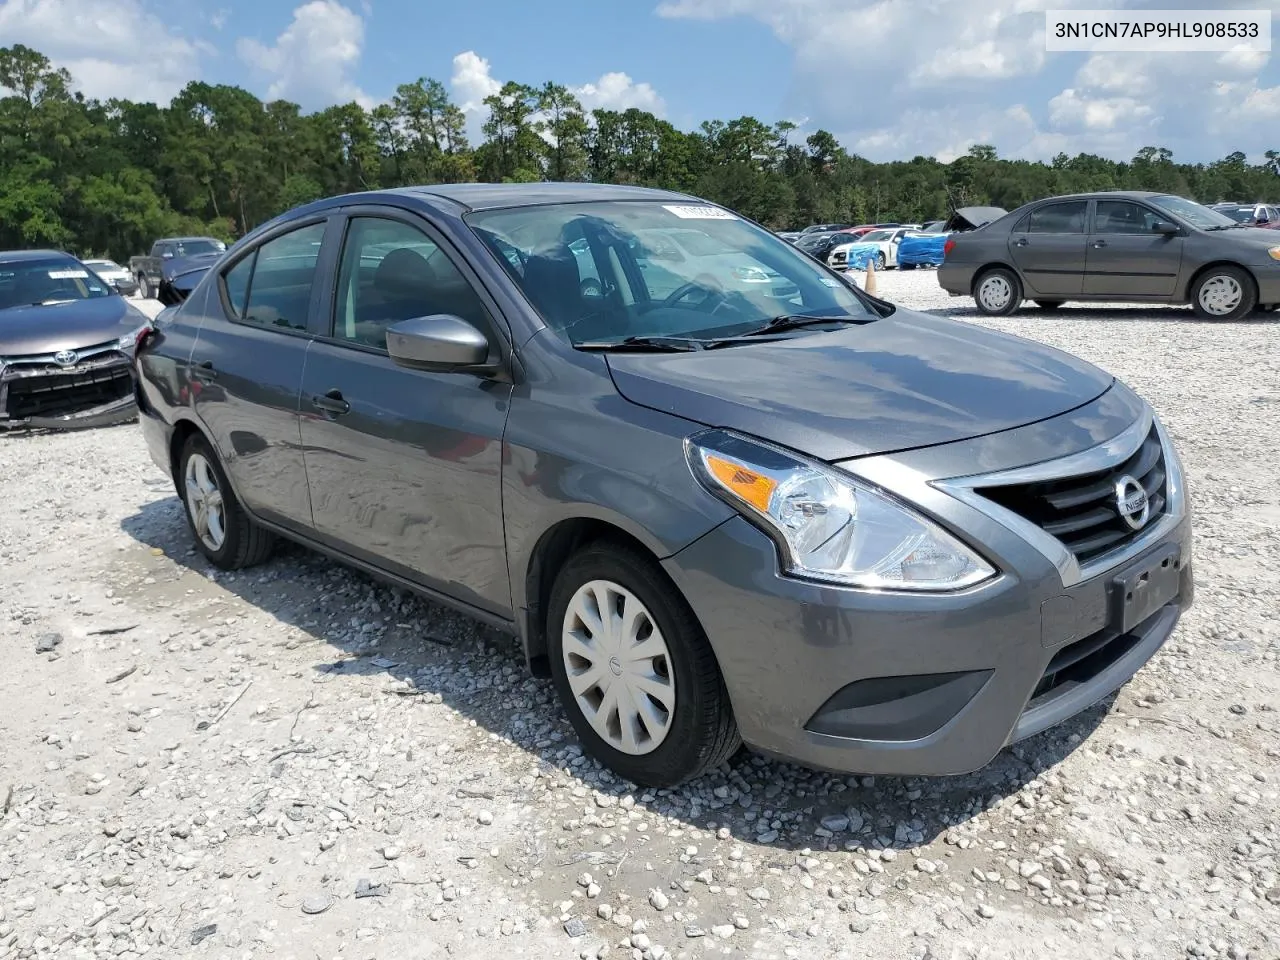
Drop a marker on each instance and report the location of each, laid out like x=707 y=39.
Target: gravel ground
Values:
x=298 y=762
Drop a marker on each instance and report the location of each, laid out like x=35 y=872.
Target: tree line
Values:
x=107 y=177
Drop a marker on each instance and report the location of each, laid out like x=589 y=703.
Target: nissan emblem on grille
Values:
x=66 y=358
x=1132 y=503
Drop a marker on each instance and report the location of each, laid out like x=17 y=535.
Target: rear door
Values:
x=246 y=370
x=1126 y=257
x=1048 y=248
x=404 y=466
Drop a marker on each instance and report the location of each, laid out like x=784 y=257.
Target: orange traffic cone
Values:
x=869 y=284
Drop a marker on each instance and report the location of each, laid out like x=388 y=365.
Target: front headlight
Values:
x=129 y=341
x=1274 y=253
x=829 y=526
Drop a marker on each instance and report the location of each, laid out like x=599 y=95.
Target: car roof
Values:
x=18 y=256
x=490 y=196
x=183 y=239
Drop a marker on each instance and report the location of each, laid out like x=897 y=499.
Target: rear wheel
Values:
x=144 y=287
x=1224 y=293
x=224 y=532
x=998 y=292
x=1048 y=304
x=634 y=670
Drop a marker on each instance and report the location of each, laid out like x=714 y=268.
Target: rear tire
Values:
x=144 y=287
x=1224 y=293
x=1048 y=304
x=997 y=292
x=634 y=669
x=223 y=532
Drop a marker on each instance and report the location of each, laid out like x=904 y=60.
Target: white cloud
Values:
x=936 y=76
x=617 y=91
x=97 y=41
x=312 y=60
x=473 y=80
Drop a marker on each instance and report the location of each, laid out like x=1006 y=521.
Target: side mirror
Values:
x=439 y=342
x=1165 y=229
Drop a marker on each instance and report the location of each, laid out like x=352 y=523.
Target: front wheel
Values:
x=634 y=670
x=998 y=292
x=1224 y=293
x=880 y=261
x=224 y=532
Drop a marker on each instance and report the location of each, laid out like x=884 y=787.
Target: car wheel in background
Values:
x=223 y=531
x=997 y=292
x=634 y=670
x=144 y=287
x=1224 y=293
x=880 y=261
x=1048 y=304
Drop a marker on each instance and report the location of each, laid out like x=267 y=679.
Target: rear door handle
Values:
x=204 y=371
x=1099 y=244
x=331 y=403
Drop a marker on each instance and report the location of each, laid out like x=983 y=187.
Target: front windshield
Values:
x=27 y=283
x=1193 y=213
x=603 y=272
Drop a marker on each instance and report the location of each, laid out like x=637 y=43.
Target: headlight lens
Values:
x=129 y=341
x=1274 y=253
x=830 y=526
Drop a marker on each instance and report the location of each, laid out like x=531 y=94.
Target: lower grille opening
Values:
x=63 y=394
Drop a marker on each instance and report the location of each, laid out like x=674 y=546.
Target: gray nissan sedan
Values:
x=775 y=510
x=1134 y=247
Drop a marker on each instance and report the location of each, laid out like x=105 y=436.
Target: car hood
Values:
x=175 y=266
x=66 y=326
x=909 y=380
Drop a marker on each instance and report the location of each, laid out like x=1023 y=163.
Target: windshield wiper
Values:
x=668 y=344
x=1228 y=226
x=791 y=321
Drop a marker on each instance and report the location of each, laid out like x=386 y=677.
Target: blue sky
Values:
x=891 y=78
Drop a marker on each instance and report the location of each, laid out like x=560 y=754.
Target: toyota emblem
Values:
x=66 y=358
x=1132 y=503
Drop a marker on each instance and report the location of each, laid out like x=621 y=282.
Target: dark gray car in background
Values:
x=66 y=343
x=845 y=533
x=1138 y=247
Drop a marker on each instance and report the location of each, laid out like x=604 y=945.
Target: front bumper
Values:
x=884 y=682
x=95 y=393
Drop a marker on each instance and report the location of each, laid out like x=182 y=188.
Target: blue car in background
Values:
x=916 y=250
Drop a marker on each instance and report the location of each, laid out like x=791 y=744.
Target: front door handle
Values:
x=1099 y=244
x=204 y=371
x=331 y=403
x=1020 y=242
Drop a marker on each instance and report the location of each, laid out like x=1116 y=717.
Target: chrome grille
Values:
x=1082 y=511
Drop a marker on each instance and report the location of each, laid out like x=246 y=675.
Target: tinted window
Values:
x=1122 y=216
x=236 y=281
x=392 y=271
x=1065 y=217
x=283 y=272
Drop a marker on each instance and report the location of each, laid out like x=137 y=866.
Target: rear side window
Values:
x=1067 y=217
x=272 y=286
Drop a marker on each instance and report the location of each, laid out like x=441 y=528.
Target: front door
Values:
x=246 y=370
x=1048 y=248
x=1126 y=257
x=404 y=466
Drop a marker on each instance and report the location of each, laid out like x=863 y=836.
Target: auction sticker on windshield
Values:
x=68 y=275
x=698 y=212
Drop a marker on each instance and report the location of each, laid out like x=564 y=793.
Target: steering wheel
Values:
x=590 y=287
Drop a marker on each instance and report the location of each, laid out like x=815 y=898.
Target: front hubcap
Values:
x=995 y=293
x=204 y=502
x=618 y=666
x=1220 y=295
